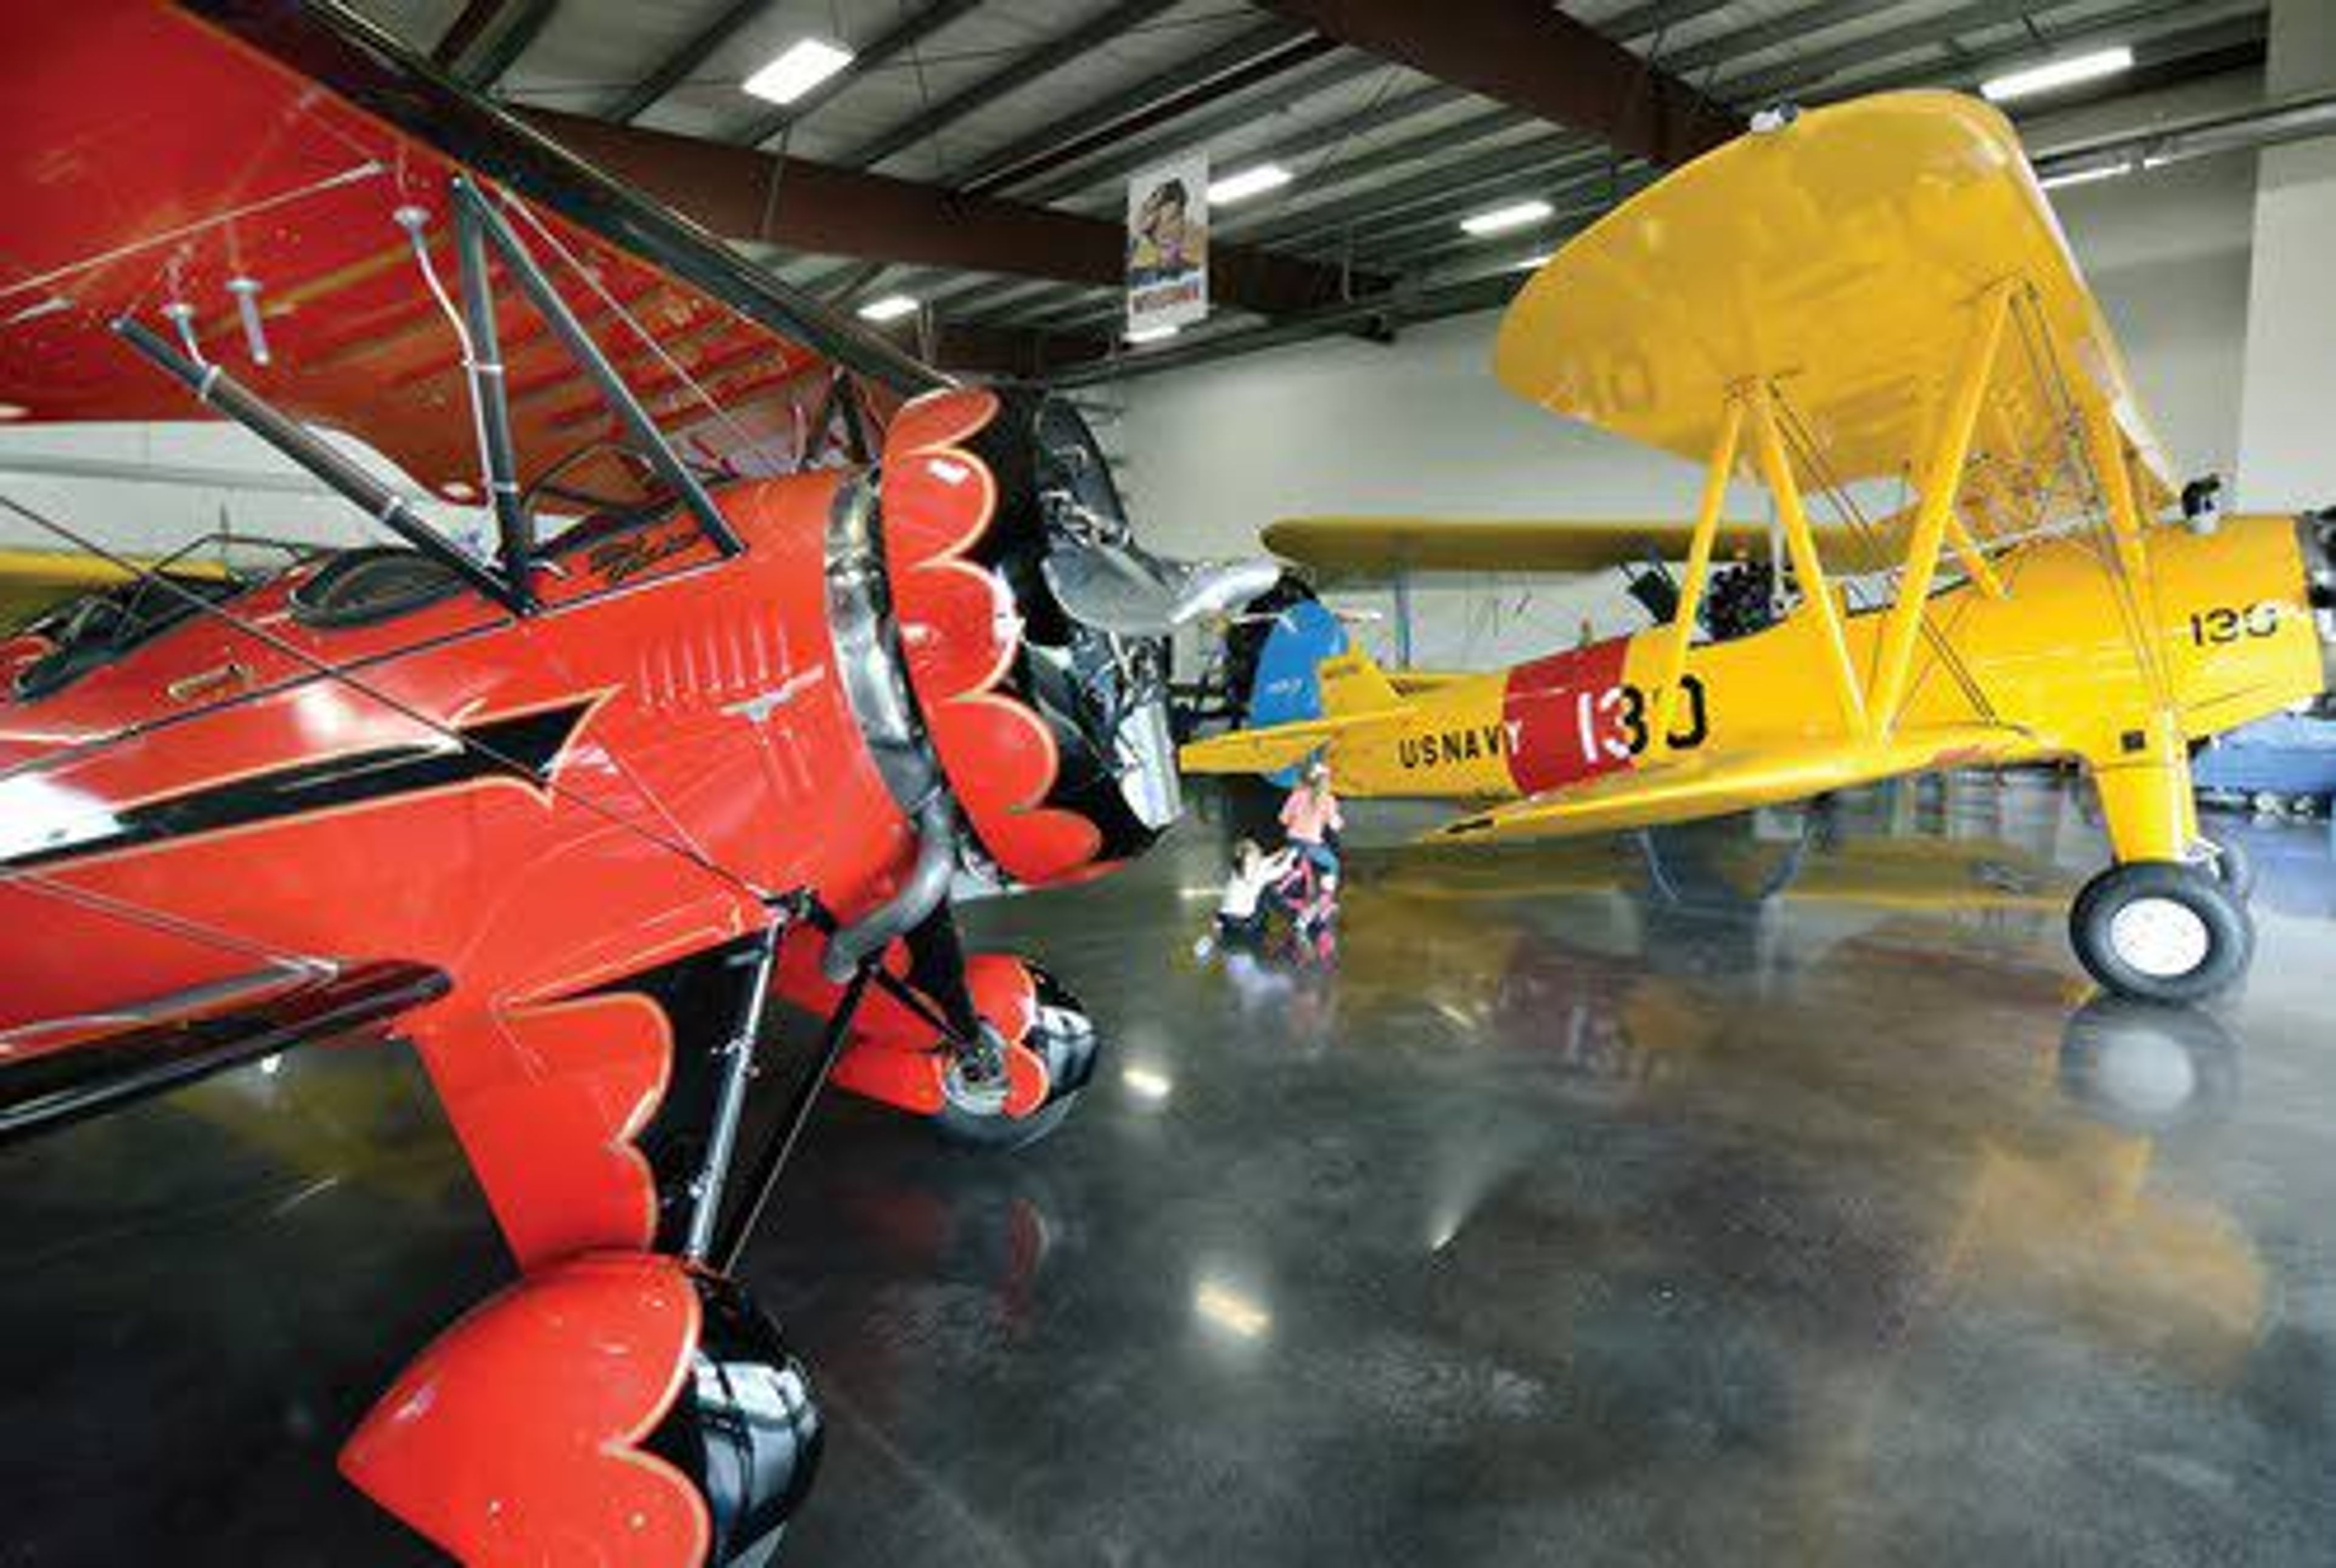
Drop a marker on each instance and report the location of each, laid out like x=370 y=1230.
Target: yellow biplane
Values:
x=1869 y=307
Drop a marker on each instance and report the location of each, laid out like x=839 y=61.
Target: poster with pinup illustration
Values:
x=1168 y=245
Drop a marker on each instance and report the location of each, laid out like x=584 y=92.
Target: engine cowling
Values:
x=1050 y=732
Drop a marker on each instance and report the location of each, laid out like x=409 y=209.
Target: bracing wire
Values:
x=169 y=924
x=366 y=170
x=2053 y=385
x=622 y=312
x=1806 y=448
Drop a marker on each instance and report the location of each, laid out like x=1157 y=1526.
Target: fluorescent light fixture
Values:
x=1255 y=180
x=1229 y=1308
x=1148 y=1083
x=1144 y=334
x=2054 y=74
x=803 y=65
x=1515 y=215
x=891 y=307
x=2086 y=176
x=1533 y=263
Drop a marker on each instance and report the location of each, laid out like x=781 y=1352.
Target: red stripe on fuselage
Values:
x=1565 y=715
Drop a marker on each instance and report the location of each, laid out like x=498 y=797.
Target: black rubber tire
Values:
x=2119 y=1059
x=1069 y=1044
x=2230 y=931
x=2234 y=867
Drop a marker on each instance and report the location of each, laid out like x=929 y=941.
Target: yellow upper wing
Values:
x=1841 y=257
x=1376 y=547
x=1704 y=783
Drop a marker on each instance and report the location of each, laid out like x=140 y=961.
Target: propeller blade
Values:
x=1129 y=592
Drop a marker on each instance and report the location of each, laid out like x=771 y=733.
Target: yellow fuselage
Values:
x=2054 y=656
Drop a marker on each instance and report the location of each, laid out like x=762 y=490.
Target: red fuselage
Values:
x=685 y=709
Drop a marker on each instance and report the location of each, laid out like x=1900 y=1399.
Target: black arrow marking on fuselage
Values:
x=524 y=746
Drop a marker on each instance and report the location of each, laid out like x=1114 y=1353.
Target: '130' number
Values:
x=2214 y=626
x=1613 y=722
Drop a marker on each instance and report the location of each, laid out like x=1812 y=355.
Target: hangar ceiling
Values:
x=972 y=155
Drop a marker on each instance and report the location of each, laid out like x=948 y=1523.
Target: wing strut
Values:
x=1808 y=565
x=1699 y=568
x=516 y=256
x=1942 y=487
x=490 y=391
x=213 y=386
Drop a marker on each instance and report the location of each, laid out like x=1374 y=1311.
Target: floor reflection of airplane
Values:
x=1998 y=1153
x=686 y=757
x=1872 y=302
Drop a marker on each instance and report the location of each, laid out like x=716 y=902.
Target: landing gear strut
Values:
x=2161 y=931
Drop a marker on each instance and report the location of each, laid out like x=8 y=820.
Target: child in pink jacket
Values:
x=1311 y=819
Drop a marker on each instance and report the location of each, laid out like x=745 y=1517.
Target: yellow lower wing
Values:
x=1704 y=786
x=1374 y=549
x=33 y=580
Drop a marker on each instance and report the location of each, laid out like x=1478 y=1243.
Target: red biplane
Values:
x=767 y=633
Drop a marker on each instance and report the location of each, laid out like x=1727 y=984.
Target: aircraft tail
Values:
x=1285 y=684
x=1308 y=685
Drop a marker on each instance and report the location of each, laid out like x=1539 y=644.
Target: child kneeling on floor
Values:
x=1241 y=909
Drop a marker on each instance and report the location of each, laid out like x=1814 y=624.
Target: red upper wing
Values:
x=156 y=158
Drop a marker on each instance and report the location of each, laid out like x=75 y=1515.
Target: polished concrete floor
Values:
x=1555 y=1219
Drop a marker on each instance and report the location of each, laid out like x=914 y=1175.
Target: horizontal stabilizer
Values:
x=1693 y=786
x=1276 y=746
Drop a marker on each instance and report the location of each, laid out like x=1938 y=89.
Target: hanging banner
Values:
x=1168 y=245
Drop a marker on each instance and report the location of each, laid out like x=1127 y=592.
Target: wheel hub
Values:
x=2162 y=938
x=977 y=1082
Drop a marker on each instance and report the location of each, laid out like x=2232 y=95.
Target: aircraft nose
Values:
x=1034 y=628
x=1122 y=588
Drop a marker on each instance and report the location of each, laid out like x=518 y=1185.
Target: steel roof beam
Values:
x=674 y=68
x=1458 y=136
x=1260 y=54
x=488 y=36
x=467 y=28
x=1646 y=22
x=1796 y=80
x=1423 y=299
x=1532 y=57
x=1661 y=16
x=741 y=192
x=1234 y=112
x=902 y=37
x=1366 y=240
x=1024 y=70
